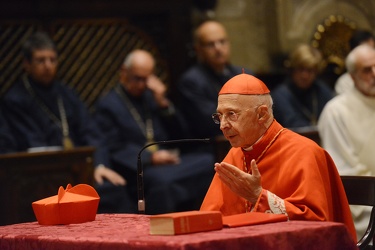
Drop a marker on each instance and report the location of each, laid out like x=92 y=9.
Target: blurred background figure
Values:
x=300 y=98
x=136 y=112
x=43 y=112
x=199 y=86
x=346 y=125
x=345 y=81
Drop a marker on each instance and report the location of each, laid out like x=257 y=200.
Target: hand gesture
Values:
x=243 y=184
x=159 y=90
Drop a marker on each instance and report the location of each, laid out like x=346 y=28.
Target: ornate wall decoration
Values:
x=332 y=39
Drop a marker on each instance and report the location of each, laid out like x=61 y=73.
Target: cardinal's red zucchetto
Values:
x=244 y=84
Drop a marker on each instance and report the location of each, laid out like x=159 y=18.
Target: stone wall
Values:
x=263 y=32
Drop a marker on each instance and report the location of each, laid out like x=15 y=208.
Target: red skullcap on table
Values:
x=244 y=84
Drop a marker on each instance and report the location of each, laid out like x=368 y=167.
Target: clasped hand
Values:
x=243 y=184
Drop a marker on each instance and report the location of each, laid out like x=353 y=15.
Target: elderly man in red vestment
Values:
x=269 y=168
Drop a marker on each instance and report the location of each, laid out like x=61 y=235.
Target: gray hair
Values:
x=354 y=55
x=134 y=56
x=265 y=99
x=128 y=60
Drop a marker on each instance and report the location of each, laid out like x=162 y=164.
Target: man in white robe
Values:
x=345 y=81
x=346 y=125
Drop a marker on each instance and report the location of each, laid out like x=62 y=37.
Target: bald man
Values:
x=198 y=86
x=271 y=169
x=137 y=112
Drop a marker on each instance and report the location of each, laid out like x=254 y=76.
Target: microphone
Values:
x=140 y=184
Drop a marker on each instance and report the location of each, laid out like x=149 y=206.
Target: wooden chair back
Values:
x=310 y=132
x=360 y=190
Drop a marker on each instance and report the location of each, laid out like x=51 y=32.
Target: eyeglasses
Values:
x=213 y=44
x=137 y=79
x=231 y=116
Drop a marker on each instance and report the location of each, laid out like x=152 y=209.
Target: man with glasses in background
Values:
x=135 y=113
x=43 y=112
x=198 y=87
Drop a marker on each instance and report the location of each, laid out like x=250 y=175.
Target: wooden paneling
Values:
x=93 y=38
x=90 y=53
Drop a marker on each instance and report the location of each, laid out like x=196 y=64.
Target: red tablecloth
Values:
x=131 y=231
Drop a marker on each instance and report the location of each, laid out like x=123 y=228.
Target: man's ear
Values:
x=263 y=113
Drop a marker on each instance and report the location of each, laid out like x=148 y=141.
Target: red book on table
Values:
x=185 y=222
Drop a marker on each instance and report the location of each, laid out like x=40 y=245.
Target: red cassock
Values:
x=298 y=177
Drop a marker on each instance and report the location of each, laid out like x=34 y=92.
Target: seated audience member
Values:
x=199 y=85
x=42 y=111
x=271 y=169
x=136 y=112
x=6 y=139
x=300 y=99
x=345 y=81
x=346 y=126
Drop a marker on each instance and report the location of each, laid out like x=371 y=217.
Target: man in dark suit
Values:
x=43 y=112
x=136 y=112
x=199 y=86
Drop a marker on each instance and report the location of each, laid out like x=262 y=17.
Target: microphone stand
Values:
x=140 y=184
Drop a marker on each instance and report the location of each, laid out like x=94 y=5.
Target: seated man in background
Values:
x=136 y=112
x=198 y=87
x=43 y=112
x=345 y=81
x=346 y=126
x=271 y=169
x=300 y=99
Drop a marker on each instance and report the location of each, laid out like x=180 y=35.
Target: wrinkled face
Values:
x=135 y=78
x=43 y=66
x=303 y=77
x=213 y=47
x=239 y=119
x=364 y=77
